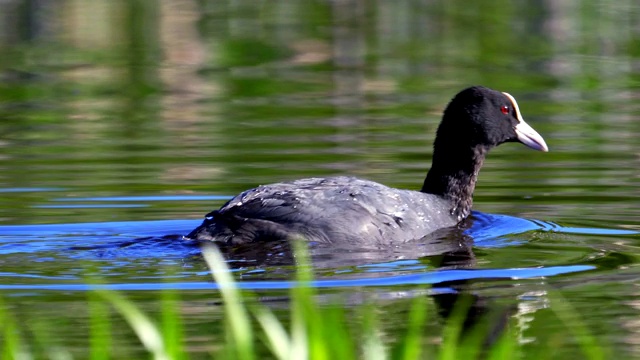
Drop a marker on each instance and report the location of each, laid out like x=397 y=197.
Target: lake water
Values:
x=123 y=123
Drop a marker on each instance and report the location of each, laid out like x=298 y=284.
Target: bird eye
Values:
x=504 y=109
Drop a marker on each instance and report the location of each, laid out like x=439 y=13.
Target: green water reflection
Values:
x=153 y=98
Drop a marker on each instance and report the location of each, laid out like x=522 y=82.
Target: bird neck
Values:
x=453 y=176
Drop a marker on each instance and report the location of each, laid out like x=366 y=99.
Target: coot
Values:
x=346 y=210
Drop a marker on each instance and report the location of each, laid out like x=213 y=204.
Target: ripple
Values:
x=428 y=278
x=30 y=190
x=90 y=206
x=151 y=198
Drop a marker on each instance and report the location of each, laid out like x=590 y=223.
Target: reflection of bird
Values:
x=346 y=210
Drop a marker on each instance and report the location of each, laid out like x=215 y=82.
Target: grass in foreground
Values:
x=311 y=331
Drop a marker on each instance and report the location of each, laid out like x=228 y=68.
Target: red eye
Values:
x=504 y=109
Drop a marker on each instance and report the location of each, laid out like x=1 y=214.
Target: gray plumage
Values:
x=327 y=210
x=350 y=211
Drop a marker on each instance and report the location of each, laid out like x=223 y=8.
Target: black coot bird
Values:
x=349 y=211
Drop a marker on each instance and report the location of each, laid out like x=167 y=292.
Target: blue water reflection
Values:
x=429 y=278
x=117 y=244
x=150 y=198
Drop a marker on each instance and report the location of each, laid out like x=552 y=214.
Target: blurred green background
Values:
x=136 y=98
x=128 y=110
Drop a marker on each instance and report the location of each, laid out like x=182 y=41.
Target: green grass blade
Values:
x=42 y=343
x=241 y=332
x=411 y=346
x=172 y=330
x=277 y=338
x=507 y=347
x=453 y=329
x=99 y=327
x=12 y=346
x=339 y=341
x=299 y=335
x=145 y=329
x=372 y=347
x=590 y=347
x=303 y=306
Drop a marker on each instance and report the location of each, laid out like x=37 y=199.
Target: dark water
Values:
x=122 y=124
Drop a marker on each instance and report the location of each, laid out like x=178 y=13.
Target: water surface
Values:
x=120 y=131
